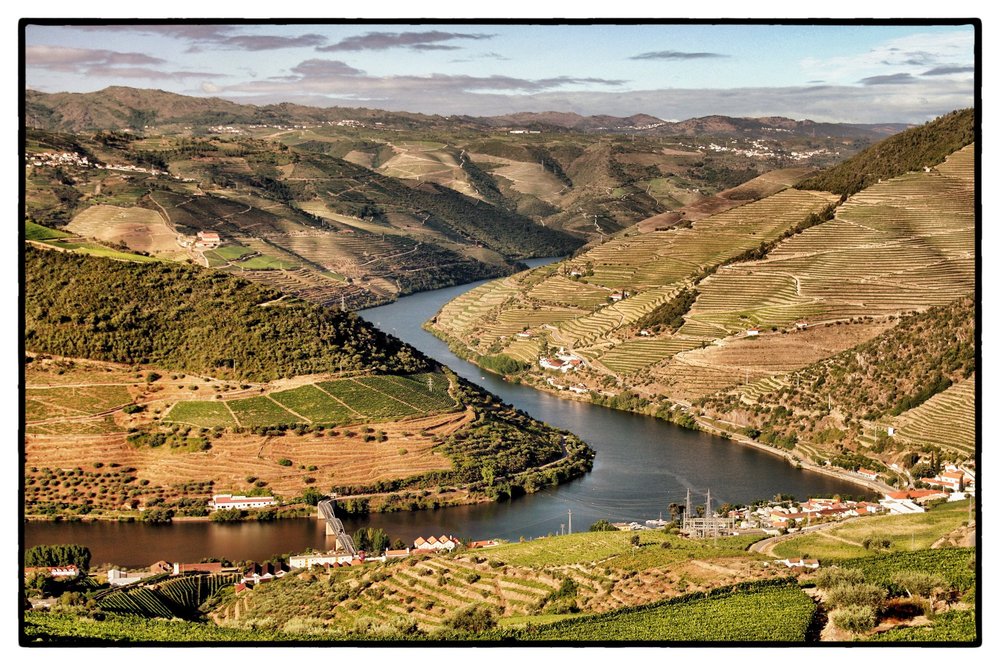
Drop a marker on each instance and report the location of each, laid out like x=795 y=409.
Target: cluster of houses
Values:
x=759 y=148
x=561 y=361
x=77 y=160
x=954 y=478
x=63 y=571
x=808 y=512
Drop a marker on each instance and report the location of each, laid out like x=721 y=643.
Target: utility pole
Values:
x=571 y=521
x=562 y=528
x=708 y=510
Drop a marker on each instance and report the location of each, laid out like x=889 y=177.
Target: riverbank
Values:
x=462 y=351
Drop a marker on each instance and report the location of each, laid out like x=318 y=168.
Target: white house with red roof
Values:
x=752 y=332
x=868 y=473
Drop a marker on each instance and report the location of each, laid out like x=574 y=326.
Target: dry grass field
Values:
x=141 y=229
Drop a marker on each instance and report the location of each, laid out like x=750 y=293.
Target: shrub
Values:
x=285 y=462
x=917 y=583
x=856 y=595
x=834 y=577
x=855 y=619
x=472 y=619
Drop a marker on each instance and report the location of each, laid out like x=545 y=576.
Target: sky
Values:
x=846 y=73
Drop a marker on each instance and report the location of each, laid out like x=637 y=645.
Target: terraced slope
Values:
x=571 y=304
x=899 y=246
x=947 y=420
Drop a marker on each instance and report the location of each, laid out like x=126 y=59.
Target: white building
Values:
x=240 y=502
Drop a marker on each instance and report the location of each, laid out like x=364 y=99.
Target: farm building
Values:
x=867 y=473
x=801 y=325
x=753 y=331
x=119 y=577
x=308 y=560
x=448 y=543
x=240 y=502
x=262 y=573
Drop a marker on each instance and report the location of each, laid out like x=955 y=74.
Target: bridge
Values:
x=334 y=527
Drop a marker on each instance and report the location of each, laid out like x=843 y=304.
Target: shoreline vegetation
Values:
x=457 y=348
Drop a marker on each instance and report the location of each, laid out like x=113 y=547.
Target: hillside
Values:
x=682 y=315
x=846 y=399
x=910 y=150
x=169 y=373
x=310 y=224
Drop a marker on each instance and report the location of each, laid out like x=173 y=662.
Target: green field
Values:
x=260 y=411
x=265 y=262
x=98 y=250
x=910 y=532
x=65 y=401
x=771 y=614
x=37 y=232
x=70 y=628
x=343 y=401
x=314 y=404
x=200 y=413
x=364 y=400
x=955 y=565
x=613 y=549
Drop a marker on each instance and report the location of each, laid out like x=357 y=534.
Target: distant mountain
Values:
x=119 y=107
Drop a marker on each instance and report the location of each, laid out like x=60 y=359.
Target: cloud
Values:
x=379 y=41
x=68 y=59
x=911 y=54
x=208 y=37
x=676 y=55
x=104 y=63
x=147 y=73
x=888 y=79
x=320 y=68
x=941 y=71
x=337 y=78
x=264 y=42
x=209 y=87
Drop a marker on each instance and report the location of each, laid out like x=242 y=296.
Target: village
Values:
x=770 y=519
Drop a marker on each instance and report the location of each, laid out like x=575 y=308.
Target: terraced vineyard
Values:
x=336 y=402
x=947 y=420
x=171 y=598
x=902 y=245
x=653 y=266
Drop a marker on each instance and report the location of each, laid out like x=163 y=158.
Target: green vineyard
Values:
x=338 y=402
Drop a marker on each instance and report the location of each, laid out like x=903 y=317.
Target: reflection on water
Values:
x=642 y=466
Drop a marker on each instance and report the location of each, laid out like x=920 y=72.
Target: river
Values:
x=642 y=465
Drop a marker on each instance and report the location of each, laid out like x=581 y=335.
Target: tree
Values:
x=635 y=540
x=602 y=526
x=312 y=496
x=58 y=555
x=371 y=539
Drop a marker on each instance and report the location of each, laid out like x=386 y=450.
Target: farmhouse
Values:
x=262 y=573
x=62 y=571
x=489 y=543
x=119 y=577
x=801 y=325
x=526 y=335
x=867 y=473
x=240 y=502
x=448 y=543
x=753 y=331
